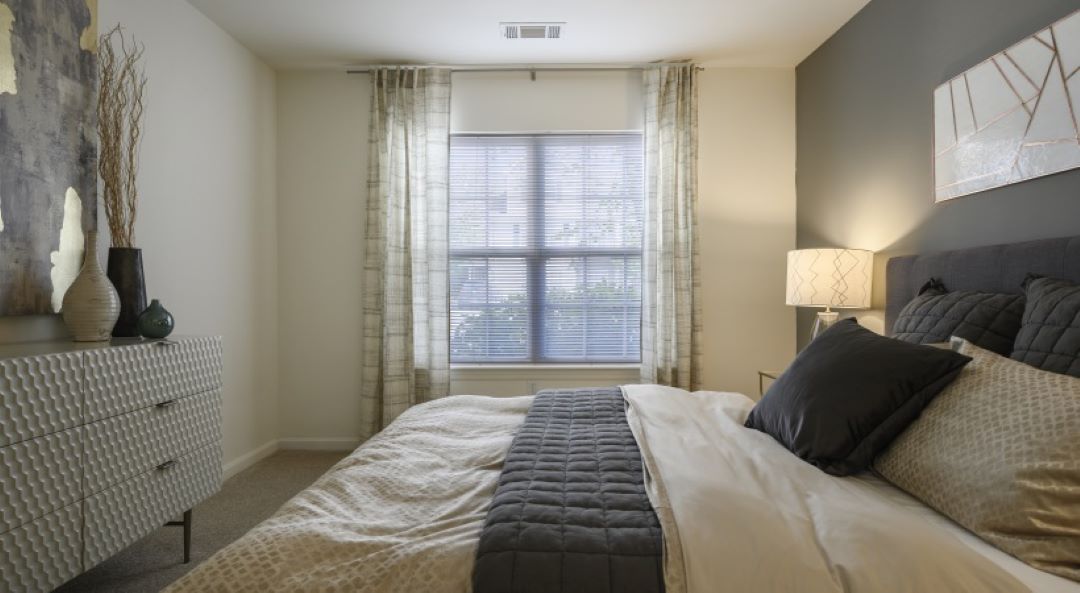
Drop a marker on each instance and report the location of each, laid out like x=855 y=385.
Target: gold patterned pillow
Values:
x=998 y=451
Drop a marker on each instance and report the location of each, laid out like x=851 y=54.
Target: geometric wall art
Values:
x=48 y=139
x=1014 y=117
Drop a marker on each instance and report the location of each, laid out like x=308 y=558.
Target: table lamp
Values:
x=830 y=278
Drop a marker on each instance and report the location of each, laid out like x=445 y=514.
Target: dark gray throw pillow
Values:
x=988 y=320
x=1049 y=336
x=849 y=394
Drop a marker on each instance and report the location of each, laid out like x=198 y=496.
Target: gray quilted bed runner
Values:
x=570 y=513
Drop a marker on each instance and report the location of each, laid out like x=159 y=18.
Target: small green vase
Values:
x=155 y=322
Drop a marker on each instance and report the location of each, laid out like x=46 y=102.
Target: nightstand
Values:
x=761 y=376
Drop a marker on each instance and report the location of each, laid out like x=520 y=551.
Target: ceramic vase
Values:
x=126 y=272
x=155 y=322
x=91 y=305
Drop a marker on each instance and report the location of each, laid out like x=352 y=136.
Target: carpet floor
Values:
x=247 y=498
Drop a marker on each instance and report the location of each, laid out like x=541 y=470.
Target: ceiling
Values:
x=337 y=33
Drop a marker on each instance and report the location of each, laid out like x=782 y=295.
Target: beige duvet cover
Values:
x=401 y=513
x=740 y=514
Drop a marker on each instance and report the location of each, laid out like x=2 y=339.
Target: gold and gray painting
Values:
x=48 y=73
x=1013 y=117
x=7 y=57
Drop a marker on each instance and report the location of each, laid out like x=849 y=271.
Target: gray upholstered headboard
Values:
x=997 y=268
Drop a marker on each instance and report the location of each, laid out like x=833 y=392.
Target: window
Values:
x=545 y=248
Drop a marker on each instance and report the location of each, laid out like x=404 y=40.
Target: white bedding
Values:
x=403 y=513
x=754 y=517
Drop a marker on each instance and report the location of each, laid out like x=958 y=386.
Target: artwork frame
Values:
x=48 y=134
x=1011 y=118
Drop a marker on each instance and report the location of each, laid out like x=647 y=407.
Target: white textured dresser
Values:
x=99 y=446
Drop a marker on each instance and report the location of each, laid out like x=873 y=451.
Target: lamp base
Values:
x=825 y=320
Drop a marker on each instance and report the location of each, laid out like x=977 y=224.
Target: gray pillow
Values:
x=988 y=320
x=849 y=393
x=996 y=451
x=1049 y=336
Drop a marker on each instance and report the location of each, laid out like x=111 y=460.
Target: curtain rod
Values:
x=515 y=68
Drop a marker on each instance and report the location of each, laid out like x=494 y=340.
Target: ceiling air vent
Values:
x=531 y=30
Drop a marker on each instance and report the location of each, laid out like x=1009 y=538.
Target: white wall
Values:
x=746 y=208
x=322 y=176
x=747 y=191
x=207 y=212
x=577 y=101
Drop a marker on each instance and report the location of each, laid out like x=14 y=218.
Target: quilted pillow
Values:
x=988 y=320
x=1049 y=336
x=996 y=452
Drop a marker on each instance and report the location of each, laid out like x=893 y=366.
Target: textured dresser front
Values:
x=126 y=512
x=99 y=446
x=40 y=469
x=43 y=554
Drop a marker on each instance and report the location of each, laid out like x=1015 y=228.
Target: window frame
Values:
x=536 y=254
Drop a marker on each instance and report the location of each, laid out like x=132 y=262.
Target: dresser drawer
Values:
x=42 y=555
x=127 y=378
x=129 y=510
x=39 y=395
x=123 y=446
x=39 y=476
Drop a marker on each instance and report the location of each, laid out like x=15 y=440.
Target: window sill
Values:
x=584 y=373
x=545 y=367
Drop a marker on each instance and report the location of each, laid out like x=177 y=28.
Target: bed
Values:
x=638 y=489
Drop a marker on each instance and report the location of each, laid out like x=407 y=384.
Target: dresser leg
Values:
x=187 y=536
x=186 y=524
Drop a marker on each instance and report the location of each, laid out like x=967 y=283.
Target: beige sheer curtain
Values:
x=671 y=302
x=406 y=357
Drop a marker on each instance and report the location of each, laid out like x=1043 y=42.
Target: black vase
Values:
x=126 y=272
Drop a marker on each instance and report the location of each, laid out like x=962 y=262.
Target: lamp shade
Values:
x=835 y=278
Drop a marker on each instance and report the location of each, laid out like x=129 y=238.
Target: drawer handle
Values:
x=166 y=404
x=166 y=465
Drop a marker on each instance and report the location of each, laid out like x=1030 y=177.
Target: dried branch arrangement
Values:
x=120 y=113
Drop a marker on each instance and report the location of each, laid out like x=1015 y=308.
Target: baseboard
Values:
x=319 y=444
x=256 y=455
x=249 y=459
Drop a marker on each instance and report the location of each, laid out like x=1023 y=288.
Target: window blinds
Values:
x=545 y=248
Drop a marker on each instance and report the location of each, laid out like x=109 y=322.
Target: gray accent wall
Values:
x=865 y=135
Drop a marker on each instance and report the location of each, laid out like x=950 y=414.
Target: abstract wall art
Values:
x=48 y=143
x=1014 y=117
